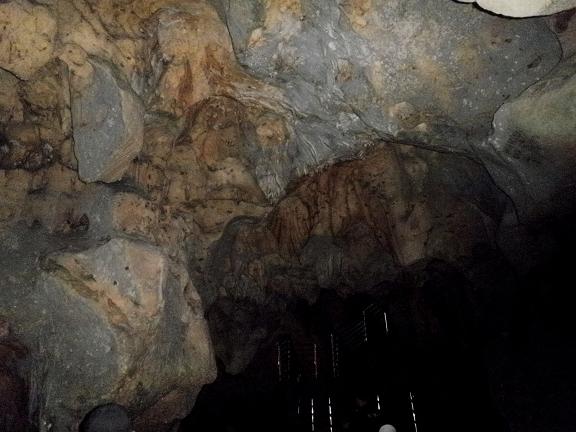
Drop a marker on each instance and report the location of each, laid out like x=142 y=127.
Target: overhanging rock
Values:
x=115 y=322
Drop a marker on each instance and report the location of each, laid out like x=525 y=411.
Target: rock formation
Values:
x=524 y=8
x=174 y=175
x=533 y=138
x=359 y=223
x=108 y=124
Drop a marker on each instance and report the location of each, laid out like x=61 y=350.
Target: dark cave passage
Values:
x=462 y=361
x=358 y=374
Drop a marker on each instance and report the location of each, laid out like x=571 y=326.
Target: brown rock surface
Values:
x=256 y=152
x=29 y=37
x=358 y=222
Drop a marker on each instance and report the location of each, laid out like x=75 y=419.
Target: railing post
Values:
x=288 y=361
x=312 y=411
x=333 y=350
x=413 y=412
x=365 y=326
x=315 y=362
x=279 y=362
x=330 y=413
x=386 y=322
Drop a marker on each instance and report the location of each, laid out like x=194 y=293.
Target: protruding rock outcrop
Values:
x=117 y=321
x=108 y=124
x=532 y=152
x=386 y=68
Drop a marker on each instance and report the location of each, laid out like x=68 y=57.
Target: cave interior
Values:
x=288 y=215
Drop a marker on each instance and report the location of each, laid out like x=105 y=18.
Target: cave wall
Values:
x=162 y=162
x=359 y=223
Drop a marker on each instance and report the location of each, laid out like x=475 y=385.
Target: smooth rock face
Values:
x=28 y=37
x=524 y=8
x=532 y=152
x=108 y=318
x=108 y=126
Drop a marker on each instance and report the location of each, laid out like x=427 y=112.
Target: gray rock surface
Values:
x=111 y=322
x=358 y=223
x=354 y=70
x=108 y=120
x=532 y=152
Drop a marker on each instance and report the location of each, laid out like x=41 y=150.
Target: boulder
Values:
x=108 y=125
x=116 y=322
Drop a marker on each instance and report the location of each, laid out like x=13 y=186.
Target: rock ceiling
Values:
x=159 y=155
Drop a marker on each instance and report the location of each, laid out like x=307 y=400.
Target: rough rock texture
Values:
x=524 y=8
x=346 y=229
x=108 y=121
x=256 y=152
x=359 y=222
x=339 y=66
x=532 y=151
x=113 y=322
x=29 y=33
